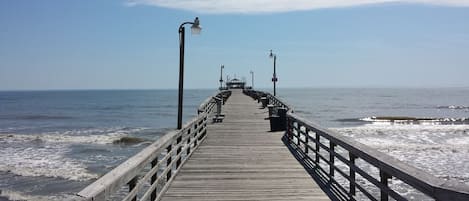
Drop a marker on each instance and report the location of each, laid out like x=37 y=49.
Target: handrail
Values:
x=326 y=153
x=147 y=174
x=209 y=103
x=272 y=99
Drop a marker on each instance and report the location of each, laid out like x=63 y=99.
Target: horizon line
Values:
x=260 y=88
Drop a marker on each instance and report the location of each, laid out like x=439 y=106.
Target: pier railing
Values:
x=209 y=104
x=148 y=174
x=349 y=170
x=271 y=99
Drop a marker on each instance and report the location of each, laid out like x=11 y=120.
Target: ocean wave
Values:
x=411 y=135
x=454 y=107
x=129 y=140
x=46 y=161
x=407 y=120
x=90 y=136
x=49 y=154
x=90 y=139
x=442 y=150
x=15 y=195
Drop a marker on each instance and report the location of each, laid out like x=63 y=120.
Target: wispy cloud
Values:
x=270 y=6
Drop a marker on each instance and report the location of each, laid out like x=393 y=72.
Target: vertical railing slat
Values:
x=331 y=161
x=178 y=151
x=384 y=180
x=132 y=183
x=168 y=163
x=352 y=174
x=318 y=140
x=306 y=141
x=153 y=179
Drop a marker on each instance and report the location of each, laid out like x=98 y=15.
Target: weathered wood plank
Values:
x=241 y=160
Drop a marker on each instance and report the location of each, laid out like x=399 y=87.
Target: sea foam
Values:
x=46 y=154
x=442 y=150
x=47 y=161
x=90 y=136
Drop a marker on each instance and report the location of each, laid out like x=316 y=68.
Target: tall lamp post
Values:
x=221 y=76
x=195 y=29
x=274 y=78
x=252 y=79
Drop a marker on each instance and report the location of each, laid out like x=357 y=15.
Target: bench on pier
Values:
x=218 y=118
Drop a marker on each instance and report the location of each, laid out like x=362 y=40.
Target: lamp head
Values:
x=196 y=28
x=271 y=54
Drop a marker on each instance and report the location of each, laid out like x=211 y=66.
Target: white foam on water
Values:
x=91 y=136
x=45 y=155
x=454 y=107
x=15 y=195
x=442 y=150
x=464 y=141
x=47 y=161
x=414 y=121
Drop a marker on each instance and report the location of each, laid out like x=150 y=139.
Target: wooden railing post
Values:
x=318 y=139
x=188 y=141
x=292 y=128
x=154 y=178
x=289 y=128
x=384 y=180
x=168 y=163
x=306 y=141
x=298 y=136
x=178 y=151
x=331 y=161
x=352 y=174
x=196 y=135
x=132 y=183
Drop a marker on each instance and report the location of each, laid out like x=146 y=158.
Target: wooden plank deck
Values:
x=241 y=160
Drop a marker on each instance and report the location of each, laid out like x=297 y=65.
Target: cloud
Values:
x=271 y=6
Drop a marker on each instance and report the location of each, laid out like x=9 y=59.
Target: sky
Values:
x=133 y=44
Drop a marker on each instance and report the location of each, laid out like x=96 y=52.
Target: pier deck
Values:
x=241 y=160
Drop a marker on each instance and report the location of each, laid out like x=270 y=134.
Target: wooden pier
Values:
x=242 y=160
x=237 y=157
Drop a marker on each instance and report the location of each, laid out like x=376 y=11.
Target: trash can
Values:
x=264 y=102
x=271 y=109
x=278 y=119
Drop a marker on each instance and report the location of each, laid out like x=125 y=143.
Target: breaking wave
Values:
x=408 y=120
x=442 y=150
x=454 y=107
x=46 y=161
x=48 y=154
x=92 y=136
x=15 y=195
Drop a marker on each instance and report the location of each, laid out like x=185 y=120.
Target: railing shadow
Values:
x=310 y=168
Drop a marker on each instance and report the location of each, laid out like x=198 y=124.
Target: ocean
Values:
x=54 y=143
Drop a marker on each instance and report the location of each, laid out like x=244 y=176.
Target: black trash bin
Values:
x=264 y=101
x=272 y=109
x=278 y=119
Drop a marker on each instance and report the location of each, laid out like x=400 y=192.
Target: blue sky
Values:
x=119 y=44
